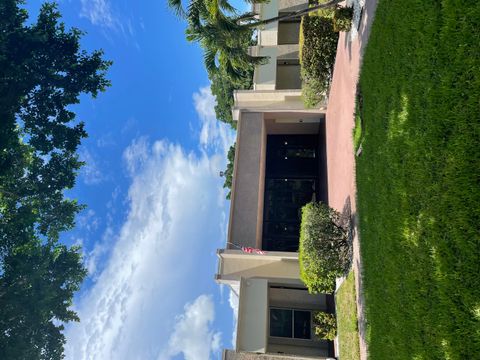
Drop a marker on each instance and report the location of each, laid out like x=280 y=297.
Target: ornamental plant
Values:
x=324 y=252
x=325 y=325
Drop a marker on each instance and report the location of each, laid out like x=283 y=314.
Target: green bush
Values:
x=324 y=250
x=325 y=325
x=342 y=19
x=318 y=47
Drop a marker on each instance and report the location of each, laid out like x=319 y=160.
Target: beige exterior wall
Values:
x=241 y=355
x=291 y=5
x=264 y=75
x=307 y=349
x=276 y=101
x=267 y=36
x=297 y=299
x=252 y=315
x=235 y=264
x=248 y=170
x=287 y=52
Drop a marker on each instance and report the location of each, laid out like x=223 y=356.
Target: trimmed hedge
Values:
x=324 y=248
x=318 y=47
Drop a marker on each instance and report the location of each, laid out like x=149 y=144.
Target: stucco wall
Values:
x=249 y=159
x=307 y=349
x=234 y=267
x=265 y=75
x=292 y=5
x=295 y=124
x=273 y=101
x=296 y=299
x=232 y=355
x=287 y=52
x=253 y=315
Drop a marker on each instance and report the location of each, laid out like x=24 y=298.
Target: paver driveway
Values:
x=339 y=127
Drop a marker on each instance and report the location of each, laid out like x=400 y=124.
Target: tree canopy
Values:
x=43 y=71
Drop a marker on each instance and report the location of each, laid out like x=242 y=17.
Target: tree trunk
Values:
x=295 y=14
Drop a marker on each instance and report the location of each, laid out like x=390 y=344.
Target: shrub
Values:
x=325 y=325
x=324 y=248
x=318 y=47
x=342 y=19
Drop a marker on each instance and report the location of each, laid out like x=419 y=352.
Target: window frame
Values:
x=292 y=311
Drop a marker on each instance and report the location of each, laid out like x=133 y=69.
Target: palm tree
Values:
x=246 y=19
x=224 y=35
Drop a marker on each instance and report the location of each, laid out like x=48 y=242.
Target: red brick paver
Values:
x=340 y=153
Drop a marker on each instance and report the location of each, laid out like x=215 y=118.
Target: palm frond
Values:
x=177 y=7
x=209 y=58
x=226 y=6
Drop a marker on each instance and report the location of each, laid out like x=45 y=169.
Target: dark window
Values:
x=290 y=323
x=301 y=324
x=281 y=322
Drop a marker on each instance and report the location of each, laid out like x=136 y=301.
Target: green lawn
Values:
x=419 y=180
x=347 y=323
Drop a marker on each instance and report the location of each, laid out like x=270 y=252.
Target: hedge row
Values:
x=318 y=47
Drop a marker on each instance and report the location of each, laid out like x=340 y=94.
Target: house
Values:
x=280 y=165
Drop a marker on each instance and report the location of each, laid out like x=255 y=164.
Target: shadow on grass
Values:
x=418 y=181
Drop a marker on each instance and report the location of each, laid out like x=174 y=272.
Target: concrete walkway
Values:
x=340 y=153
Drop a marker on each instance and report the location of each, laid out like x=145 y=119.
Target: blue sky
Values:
x=156 y=207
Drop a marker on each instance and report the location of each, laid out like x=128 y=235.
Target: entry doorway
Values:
x=291 y=181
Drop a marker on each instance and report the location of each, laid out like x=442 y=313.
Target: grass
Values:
x=418 y=180
x=357 y=130
x=347 y=322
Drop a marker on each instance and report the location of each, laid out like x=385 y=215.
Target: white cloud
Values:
x=101 y=248
x=112 y=17
x=87 y=220
x=91 y=172
x=233 y=301
x=106 y=140
x=136 y=155
x=161 y=257
x=213 y=132
x=192 y=334
x=99 y=12
x=153 y=264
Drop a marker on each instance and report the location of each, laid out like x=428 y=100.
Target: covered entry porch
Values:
x=280 y=165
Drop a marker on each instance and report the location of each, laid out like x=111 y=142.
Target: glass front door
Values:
x=291 y=179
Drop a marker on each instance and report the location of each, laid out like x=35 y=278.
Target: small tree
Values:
x=324 y=247
x=325 y=325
